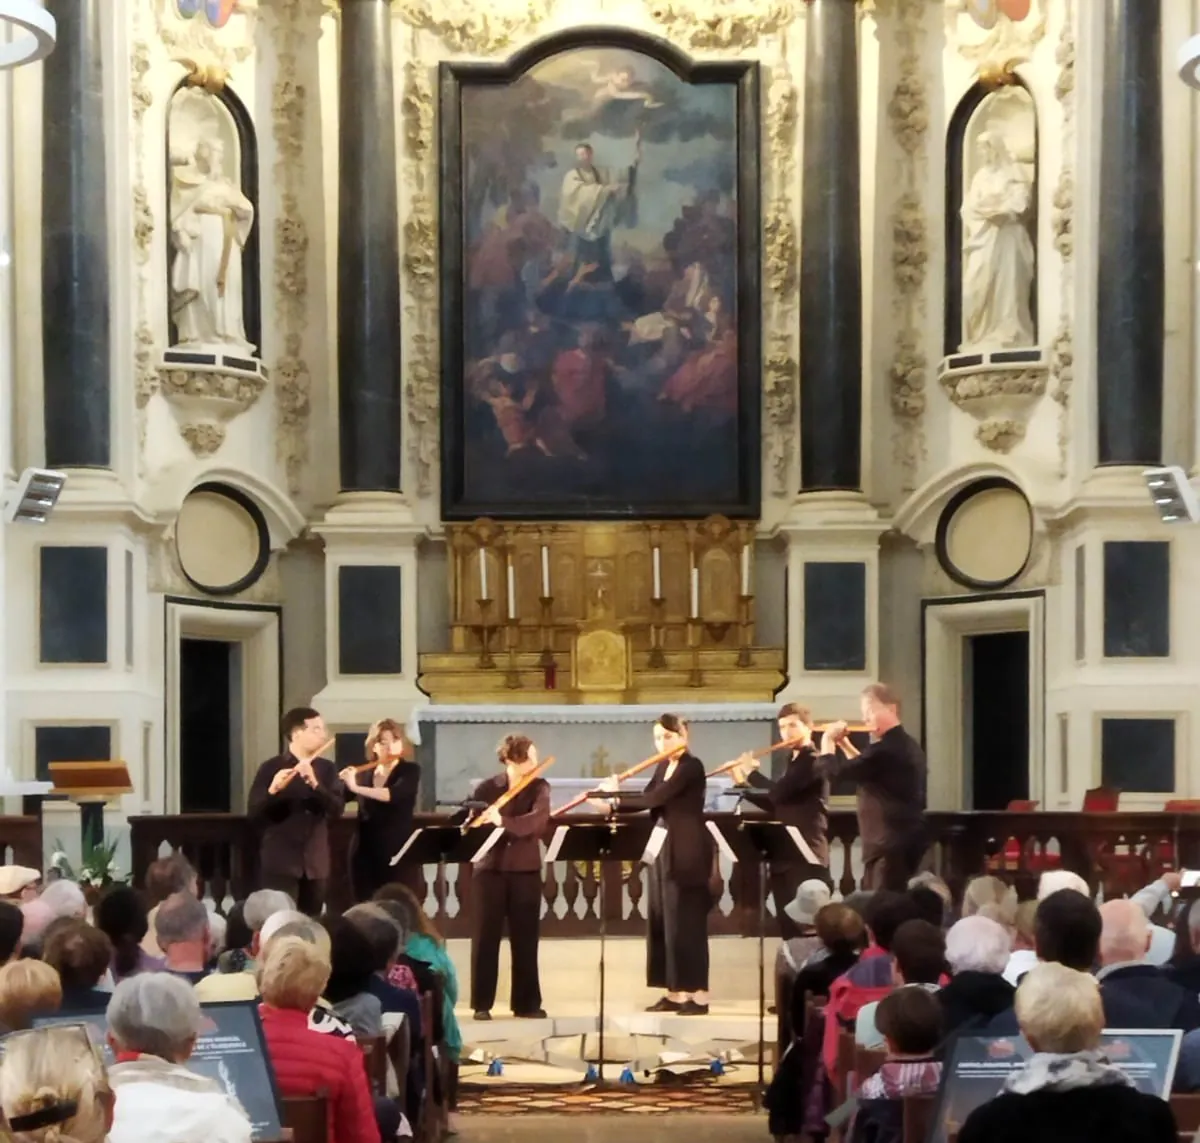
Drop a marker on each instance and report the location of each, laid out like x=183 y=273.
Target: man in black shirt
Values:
x=797 y=798
x=890 y=774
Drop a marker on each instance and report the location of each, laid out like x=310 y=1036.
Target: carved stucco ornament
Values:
x=1000 y=398
x=722 y=25
x=205 y=399
x=1062 y=351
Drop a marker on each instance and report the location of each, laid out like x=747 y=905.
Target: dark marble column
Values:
x=1131 y=287
x=368 y=253
x=76 y=362
x=830 y=254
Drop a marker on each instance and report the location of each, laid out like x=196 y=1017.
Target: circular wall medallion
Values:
x=27 y=33
x=985 y=535
x=221 y=539
x=984 y=12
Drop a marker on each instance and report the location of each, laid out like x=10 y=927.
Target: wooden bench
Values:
x=307 y=1117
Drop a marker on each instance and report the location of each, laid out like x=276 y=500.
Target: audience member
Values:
x=351 y=966
x=231 y=982
x=19 y=883
x=910 y=1021
x=28 y=988
x=1024 y=955
x=811 y=897
x=1067 y=1092
x=12 y=923
x=1184 y=968
x=1135 y=993
x=65 y=899
x=80 y=954
x=977 y=951
x=1160 y=897
x=35 y=917
x=992 y=898
x=927 y=879
x=1055 y=880
x=292 y=975
x=930 y=906
x=842 y=934
x=121 y=916
x=166 y=877
x=153 y=1022
x=182 y=931
x=54 y=1087
x=919 y=958
x=216 y=938
x=238 y=955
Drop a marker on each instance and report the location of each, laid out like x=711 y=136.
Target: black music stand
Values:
x=601 y=840
x=762 y=840
x=434 y=844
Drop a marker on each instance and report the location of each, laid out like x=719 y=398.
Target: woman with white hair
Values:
x=153 y=1022
x=1068 y=1091
x=977 y=950
x=54 y=1088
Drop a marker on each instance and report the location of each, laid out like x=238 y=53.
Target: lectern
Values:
x=90 y=785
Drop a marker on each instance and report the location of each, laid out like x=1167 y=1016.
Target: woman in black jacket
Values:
x=679 y=897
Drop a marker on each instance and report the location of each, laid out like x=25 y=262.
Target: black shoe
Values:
x=536 y=1014
x=665 y=1005
x=691 y=1008
x=483 y=1014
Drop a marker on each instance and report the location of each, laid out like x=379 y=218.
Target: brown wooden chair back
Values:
x=399 y=1052
x=1186 y=1109
x=307 y=1116
x=375 y=1056
x=844 y=1083
x=918 y=1115
x=867 y=1061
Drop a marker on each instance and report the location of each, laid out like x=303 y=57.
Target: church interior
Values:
x=544 y=366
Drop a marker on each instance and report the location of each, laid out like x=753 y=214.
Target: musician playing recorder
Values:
x=507 y=883
x=292 y=800
x=797 y=798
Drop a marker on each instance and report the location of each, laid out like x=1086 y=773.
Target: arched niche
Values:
x=196 y=115
x=982 y=178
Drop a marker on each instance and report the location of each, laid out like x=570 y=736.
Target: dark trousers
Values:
x=894 y=864
x=307 y=892
x=784 y=881
x=677 y=932
x=371 y=870
x=517 y=899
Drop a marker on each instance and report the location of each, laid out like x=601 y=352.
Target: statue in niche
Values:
x=211 y=220
x=999 y=261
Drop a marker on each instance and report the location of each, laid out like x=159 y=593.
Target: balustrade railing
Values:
x=1118 y=852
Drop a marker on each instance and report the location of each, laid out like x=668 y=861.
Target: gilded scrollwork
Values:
x=722 y=25
x=291 y=375
x=1062 y=354
x=141 y=98
x=908 y=114
x=469 y=29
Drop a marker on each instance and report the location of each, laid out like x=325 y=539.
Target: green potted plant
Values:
x=97 y=870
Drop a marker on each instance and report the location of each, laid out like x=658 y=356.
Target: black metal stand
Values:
x=603 y=964
x=762 y=971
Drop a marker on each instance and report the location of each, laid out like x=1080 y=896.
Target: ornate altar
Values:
x=602 y=613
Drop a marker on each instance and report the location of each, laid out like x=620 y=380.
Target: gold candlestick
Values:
x=483 y=629
x=745 y=627
x=547 y=658
x=658 y=659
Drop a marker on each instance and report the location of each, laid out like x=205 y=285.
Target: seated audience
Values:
x=1068 y=1092
x=54 y=1087
x=1184 y=968
x=80 y=954
x=121 y=916
x=911 y=1023
x=1135 y=993
x=153 y=1022
x=977 y=951
x=35 y=917
x=930 y=906
x=992 y=898
x=12 y=924
x=166 y=877
x=292 y=976
x=927 y=879
x=181 y=928
x=1066 y=930
x=351 y=966
x=1160 y=895
x=842 y=934
x=426 y=944
x=242 y=984
x=919 y=958
x=1023 y=956
x=238 y=954
x=65 y=899
x=19 y=884
x=811 y=897
x=216 y=938
x=28 y=988
x=1055 y=880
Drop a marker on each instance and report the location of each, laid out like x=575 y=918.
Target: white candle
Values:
x=695 y=592
x=657 y=575
x=512 y=592
x=483 y=591
x=745 y=569
x=545 y=572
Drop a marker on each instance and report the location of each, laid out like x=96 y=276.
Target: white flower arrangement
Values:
x=98 y=867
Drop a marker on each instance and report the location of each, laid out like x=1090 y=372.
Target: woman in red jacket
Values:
x=292 y=977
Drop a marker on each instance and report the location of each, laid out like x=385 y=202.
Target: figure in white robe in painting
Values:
x=594 y=201
x=998 y=254
x=211 y=220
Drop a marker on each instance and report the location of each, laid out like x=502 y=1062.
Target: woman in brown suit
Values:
x=678 y=877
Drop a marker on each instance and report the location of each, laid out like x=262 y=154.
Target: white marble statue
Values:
x=211 y=220
x=998 y=254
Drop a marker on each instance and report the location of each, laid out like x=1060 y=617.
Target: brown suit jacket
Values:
x=295 y=821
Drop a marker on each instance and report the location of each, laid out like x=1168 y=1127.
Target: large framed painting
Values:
x=600 y=268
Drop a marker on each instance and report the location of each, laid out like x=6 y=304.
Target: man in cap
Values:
x=19 y=883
